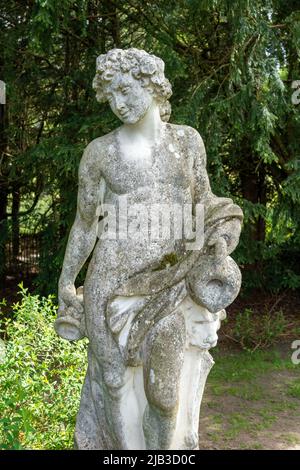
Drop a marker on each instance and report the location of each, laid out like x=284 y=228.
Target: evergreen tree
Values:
x=232 y=65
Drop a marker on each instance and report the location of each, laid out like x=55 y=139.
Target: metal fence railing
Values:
x=26 y=260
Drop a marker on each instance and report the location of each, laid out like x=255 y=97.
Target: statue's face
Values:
x=128 y=99
x=201 y=325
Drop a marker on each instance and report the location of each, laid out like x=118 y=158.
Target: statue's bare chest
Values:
x=127 y=169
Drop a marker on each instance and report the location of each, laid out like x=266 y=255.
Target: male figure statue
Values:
x=144 y=297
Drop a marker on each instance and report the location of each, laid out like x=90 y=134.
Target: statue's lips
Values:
x=125 y=114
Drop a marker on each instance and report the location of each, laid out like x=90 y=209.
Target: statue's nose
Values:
x=120 y=105
x=212 y=340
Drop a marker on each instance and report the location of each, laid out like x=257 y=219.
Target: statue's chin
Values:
x=131 y=119
x=200 y=343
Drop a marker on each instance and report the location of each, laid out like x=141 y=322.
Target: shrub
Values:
x=41 y=377
x=253 y=331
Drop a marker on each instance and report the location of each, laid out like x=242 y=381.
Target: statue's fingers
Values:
x=212 y=241
x=71 y=299
x=221 y=247
x=77 y=305
x=61 y=309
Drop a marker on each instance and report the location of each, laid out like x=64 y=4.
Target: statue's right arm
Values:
x=83 y=234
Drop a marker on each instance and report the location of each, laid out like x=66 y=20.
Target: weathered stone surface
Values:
x=160 y=274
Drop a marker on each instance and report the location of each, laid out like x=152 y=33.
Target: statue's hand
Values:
x=225 y=239
x=69 y=302
x=70 y=320
x=219 y=246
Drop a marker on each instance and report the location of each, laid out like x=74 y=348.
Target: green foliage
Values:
x=231 y=65
x=246 y=366
x=294 y=389
x=258 y=331
x=40 y=379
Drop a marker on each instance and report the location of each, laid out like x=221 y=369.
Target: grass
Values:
x=294 y=389
x=246 y=391
x=246 y=366
x=291 y=439
x=247 y=396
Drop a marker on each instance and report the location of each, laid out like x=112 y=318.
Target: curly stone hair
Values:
x=143 y=66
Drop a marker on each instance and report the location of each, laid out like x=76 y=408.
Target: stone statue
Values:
x=153 y=297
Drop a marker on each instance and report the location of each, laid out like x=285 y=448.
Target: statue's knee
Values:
x=164 y=399
x=114 y=383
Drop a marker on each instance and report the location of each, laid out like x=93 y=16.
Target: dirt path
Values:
x=259 y=410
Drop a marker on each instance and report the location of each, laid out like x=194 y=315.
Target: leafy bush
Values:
x=253 y=331
x=40 y=378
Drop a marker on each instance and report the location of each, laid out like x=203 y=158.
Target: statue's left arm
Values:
x=222 y=212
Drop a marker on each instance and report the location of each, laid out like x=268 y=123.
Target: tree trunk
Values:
x=3 y=197
x=254 y=190
x=15 y=224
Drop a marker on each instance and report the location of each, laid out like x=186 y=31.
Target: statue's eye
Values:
x=125 y=90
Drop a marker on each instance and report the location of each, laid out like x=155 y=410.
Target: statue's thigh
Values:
x=164 y=354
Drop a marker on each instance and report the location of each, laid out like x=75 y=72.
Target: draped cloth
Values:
x=164 y=289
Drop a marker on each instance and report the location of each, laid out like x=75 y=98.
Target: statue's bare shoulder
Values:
x=192 y=140
x=90 y=168
x=90 y=175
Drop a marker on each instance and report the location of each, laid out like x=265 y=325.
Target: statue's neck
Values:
x=148 y=128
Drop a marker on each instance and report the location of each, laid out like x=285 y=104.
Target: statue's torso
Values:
x=165 y=179
x=167 y=165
